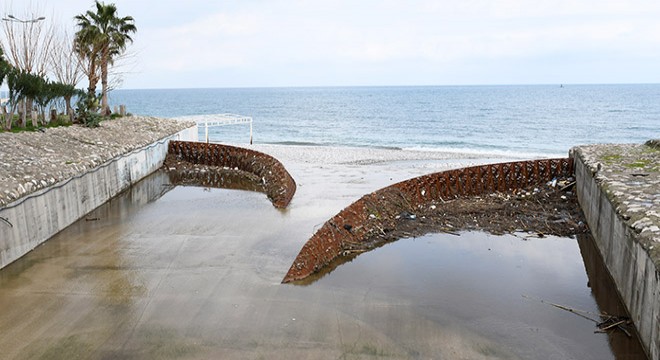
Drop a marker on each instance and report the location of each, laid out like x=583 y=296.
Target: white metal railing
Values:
x=218 y=120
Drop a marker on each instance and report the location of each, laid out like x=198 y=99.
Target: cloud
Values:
x=290 y=41
x=212 y=42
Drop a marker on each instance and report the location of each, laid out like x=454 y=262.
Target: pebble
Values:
x=34 y=160
x=635 y=197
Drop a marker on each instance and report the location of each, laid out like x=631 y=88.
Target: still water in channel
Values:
x=194 y=273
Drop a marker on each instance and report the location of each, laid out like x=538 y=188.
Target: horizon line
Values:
x=380 y=86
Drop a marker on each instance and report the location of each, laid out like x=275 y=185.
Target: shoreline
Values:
x=421 y=151
x=31 y=161
x=355 y=155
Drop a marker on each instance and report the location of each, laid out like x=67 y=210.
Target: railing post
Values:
x=206 y=130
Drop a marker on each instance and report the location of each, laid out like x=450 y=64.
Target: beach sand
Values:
x=195 y=273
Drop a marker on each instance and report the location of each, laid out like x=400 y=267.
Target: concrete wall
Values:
x=35 y=218
x=633 y=270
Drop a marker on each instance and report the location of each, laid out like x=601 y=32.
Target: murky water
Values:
x=193 y=273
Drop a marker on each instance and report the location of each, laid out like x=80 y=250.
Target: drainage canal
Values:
x=141 y=280
x=137 y=279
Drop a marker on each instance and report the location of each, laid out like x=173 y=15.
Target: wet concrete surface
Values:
x=194 y=273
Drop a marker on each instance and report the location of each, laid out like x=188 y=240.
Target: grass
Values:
x=62 y=120
x=611 y=158
x=637 y=164
x=643 y=159
x=643 y=164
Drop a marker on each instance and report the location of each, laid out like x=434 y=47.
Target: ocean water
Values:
x=526 y=120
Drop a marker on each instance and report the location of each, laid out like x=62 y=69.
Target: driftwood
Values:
x=605 y=324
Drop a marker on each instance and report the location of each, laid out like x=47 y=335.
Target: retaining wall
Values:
x=626 y=251
x=33 y=219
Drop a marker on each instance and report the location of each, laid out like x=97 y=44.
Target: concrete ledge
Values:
x=33 y=219
x=611 y=192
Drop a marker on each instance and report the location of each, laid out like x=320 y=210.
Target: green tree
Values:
x=23 y=85
x=63 y=91
x=17 y=83
x=101 y=37
x=4 y=67
x=29 y=86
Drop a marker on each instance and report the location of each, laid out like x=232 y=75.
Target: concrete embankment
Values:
x=51 y=179
x=619 y=190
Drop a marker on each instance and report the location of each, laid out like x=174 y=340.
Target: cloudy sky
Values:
x=263 y=43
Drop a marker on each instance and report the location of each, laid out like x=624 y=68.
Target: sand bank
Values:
x=367 y=155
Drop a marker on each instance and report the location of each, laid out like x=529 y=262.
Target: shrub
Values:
x=87 y=109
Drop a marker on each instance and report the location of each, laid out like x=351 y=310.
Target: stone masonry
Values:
x=30 y=161
x=619 y=191
x=630 y=174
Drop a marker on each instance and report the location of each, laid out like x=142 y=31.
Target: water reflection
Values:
x=217 y=178
x=77 y=279
x=195 y=274
x=493 y=285
x=608 y=299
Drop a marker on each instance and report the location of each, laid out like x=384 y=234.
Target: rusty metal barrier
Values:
x=358 y=225
x=278 y=184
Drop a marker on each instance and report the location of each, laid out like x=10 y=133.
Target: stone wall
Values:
x=34 y=218
x=619 y=193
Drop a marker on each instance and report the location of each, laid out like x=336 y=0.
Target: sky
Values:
x=273 y=43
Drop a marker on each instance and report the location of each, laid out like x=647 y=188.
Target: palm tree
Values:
x=101 y=37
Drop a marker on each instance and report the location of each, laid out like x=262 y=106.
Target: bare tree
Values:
x=65 y=63
x=123 y=64
x=27 y=43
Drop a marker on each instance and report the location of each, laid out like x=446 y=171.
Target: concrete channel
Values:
x=618 y=188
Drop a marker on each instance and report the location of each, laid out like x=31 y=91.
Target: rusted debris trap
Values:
x=533 y=196
x=224 y=166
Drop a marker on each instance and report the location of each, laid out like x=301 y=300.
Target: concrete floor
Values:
x=193 y=273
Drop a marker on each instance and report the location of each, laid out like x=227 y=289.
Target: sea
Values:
x=509 y=120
